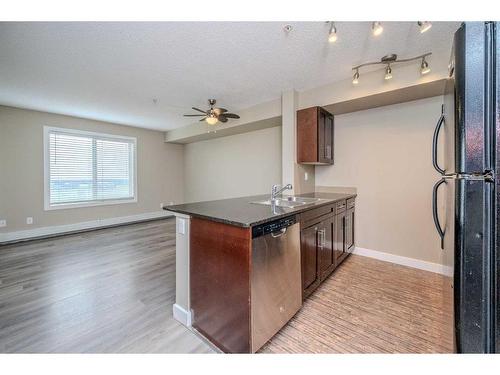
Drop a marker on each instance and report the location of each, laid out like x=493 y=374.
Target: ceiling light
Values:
x=211 y=120
x=355 y=78
x=377 y=28
x=332 y=35
x=424 y=26
x=388 y=73
x=424 y=67
x=388 y=60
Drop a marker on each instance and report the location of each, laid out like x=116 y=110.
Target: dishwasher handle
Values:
x=279 y=233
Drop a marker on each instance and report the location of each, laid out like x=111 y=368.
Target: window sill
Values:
x=65 y=206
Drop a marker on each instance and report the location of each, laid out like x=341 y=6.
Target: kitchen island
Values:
x=243 y=266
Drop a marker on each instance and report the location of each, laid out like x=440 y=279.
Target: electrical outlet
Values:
x=3 y=223
x=29 y=220
x=306 y=176
x=162 y=205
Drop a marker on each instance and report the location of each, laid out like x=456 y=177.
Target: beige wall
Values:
x=159 y=170
x=233 y=166
x=386 y=154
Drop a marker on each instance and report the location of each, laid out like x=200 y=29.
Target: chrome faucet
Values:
x=275 y=191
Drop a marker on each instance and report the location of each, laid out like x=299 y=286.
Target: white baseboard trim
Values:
x=181 y=315
x=405 y=261
x=82 y=226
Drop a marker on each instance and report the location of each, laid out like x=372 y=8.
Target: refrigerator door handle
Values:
x=435 y=139
x=435 y=210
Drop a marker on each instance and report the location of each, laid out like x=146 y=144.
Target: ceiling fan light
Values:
x=377 y=28
x=388 y=73
x=424 y=26
x=211 y=120
x=332 y=35
x=355 y=78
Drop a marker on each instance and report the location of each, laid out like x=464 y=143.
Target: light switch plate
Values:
x=306 y=176
x=29 y=220
x=3 y=223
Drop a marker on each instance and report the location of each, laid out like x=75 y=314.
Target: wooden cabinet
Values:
x=325 y=247
x=327 y=238
x=339 y=238
x=310 y=257
x=349 y=230
x=344 y=220
x=315 y=136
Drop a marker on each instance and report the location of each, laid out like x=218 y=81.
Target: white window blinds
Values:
x=88 y=168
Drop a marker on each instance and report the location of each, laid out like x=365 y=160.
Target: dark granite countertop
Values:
x=240 y=212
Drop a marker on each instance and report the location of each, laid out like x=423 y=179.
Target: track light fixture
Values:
x=424 y=26
x=389 y=60
x=424 y=67
x=377 y=28
x=355 y=78
x=388 y=72
x=332 y=35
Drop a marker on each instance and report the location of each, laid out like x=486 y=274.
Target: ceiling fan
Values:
x=213 y=115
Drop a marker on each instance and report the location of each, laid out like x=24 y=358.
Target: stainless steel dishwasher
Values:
x=276 y=290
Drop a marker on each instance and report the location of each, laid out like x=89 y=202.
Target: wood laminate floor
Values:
x=112 y=290
x=108 y=290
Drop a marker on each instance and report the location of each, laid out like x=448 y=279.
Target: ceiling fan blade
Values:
x=220 y=111
x=231 y=115
x=193 y=115
x=203 y=119
x=222 y=118
x=199 y=110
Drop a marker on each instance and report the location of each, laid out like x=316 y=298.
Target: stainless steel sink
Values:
x=289 y=201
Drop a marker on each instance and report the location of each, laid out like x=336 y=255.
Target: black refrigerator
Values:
x=469 y=132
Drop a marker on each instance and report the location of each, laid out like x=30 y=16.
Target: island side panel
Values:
x=220 y=283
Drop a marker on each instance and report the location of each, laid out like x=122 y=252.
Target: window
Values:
x=88 y=169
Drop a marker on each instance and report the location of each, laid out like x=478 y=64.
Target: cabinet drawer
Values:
x=350 y=203
x=315 y=213
x=340 y=206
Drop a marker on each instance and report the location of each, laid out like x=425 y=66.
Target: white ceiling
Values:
x=112 y=71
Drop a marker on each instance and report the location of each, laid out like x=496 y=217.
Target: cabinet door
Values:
x=329 y=139
x=340 y=237
x=326 y=236
x=325 y=137
x=349 y=230
x=310 y=259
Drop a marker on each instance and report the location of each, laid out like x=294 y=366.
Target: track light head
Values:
x=424 y=67
x=377 y=28
x=332 y=35
x=424 y=26
x=388 y=72
x=355 y=78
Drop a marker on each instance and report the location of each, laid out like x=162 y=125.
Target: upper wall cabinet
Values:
x=314 y=136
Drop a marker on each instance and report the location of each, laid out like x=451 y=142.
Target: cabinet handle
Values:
x=321 y=238
x=328 y=152
x=318 y=239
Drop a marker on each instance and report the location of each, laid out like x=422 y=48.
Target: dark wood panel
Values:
x=220 y=283
x=339 y=250
x=326 y=254
x=349 y=230
x=309 y=255
x=309 y=217
x=307 y=135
